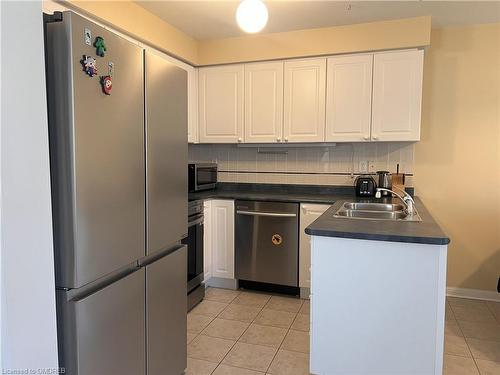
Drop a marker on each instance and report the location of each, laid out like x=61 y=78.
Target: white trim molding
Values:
x=473 y=294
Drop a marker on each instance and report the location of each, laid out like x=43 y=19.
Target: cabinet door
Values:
x=221 y=104
x=193 y=105
x=349 y=98
x=207 y=240
x=308 y=214
x=223 y=239
x=304 y=100
x=263 y=102
x=397 y=95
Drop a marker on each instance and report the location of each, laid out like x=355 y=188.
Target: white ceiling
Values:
x=215 y=19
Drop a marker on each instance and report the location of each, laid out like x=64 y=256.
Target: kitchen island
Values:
x=377 y=295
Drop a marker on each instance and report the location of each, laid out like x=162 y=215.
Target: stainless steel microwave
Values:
x=202 y=176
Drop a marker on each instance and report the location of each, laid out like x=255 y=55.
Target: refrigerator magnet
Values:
x=107 y=84
x=89 y=65
x=87 y=36
x=100 y=46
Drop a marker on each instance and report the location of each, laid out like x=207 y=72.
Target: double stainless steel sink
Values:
x=375 y=211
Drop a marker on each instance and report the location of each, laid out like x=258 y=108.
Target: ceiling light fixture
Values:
x=251 y=15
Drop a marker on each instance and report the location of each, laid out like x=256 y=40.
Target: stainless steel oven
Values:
x=194 y=242
x=202 y=176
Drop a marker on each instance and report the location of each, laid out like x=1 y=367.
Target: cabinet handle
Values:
x=286 y=139
x=366 y=138
x=278 y=139
x=239 y=140
x=375 y=137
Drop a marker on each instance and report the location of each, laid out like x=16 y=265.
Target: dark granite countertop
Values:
x=277 y=193
x=426 y=231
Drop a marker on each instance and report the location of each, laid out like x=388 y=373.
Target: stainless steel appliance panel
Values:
x=104 y=333
x=166 y=298
x=166 y=147
x=97 y=153
x=266 y=242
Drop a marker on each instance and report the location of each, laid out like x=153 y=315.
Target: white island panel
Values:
x=377 y=307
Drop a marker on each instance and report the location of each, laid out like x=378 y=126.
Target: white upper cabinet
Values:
x=263 y=102
x=221 y=104
x=349 y=98
x=304 y=100
x=397 y=95
x=192 y=105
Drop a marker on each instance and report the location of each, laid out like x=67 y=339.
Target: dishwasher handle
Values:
x=271 y=214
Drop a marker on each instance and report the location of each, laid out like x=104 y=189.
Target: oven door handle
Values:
x=272 y=214
x=195 y=222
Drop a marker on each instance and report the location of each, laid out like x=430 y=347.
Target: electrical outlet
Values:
x=363 y=166
x=371 y=166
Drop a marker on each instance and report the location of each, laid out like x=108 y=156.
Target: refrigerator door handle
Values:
x=78 y=294
x=143 y=262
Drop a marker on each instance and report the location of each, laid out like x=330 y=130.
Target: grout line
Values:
x=229 y=351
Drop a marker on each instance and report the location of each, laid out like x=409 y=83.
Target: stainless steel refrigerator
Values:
x=119 y=190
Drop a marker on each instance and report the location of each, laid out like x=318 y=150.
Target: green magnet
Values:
x=100 y=46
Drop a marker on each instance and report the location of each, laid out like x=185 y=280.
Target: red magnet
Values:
x=107 y=84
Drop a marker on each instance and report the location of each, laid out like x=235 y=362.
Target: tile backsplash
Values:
x=306 y=164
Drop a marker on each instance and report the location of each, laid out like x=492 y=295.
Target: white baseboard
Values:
x=218 y=282
x=473 y=294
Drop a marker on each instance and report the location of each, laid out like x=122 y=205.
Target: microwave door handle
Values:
x=269 y=214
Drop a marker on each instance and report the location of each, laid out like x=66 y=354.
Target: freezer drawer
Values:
x=166 y=314
x=266 y=242
x=103 y=333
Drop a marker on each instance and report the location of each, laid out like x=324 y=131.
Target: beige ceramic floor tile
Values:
x=275 y=318
x=289 y=363
x=495 y=309
x=199 y=367
x=191 y=336
x=454 y=365
x=225 y=329
x=452 y=329
x=249 y=356
x=209 y=348
x=306 y=307
x=488 y=367
x=240 y=312
x=456 y=345
x=480 y=313
x=301 y=323
x=221 y=295
x=209 y=308
x=196 y=323
x=464 y=302
x=284 y=304
x=252 y=299
x=449 y=316
x=230 y=370
x=264 y=335
x=485 y=331
x=485 y=349
x=297 y=341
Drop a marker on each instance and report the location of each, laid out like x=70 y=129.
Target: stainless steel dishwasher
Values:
x=266 y=242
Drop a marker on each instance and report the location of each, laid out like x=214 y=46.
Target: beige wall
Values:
x=134 y=20
x=137 y=22
x=457 y=162
x=403 y=33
